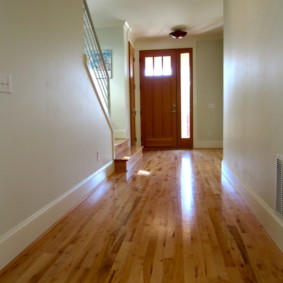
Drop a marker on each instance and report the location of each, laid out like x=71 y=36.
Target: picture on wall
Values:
x=97 y=63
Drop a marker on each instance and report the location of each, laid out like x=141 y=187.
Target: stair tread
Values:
x=127 y=153
x=121 y=145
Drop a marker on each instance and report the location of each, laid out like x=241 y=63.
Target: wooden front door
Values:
x=158 y=98
x=166 y=113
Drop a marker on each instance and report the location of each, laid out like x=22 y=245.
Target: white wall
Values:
x=209 y=77
x=207 y=59
x=51 y=127
x=115 y=39
x=253 y=135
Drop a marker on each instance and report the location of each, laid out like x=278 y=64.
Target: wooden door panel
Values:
x=157 y=113
x=159 y=142
x=159 y=121
x=148 y=113
x=169 y=117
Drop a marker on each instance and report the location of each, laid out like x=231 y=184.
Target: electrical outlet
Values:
x=5 y=83
x=98 y=156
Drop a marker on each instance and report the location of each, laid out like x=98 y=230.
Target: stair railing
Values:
x=95 y=61
x=96 y=68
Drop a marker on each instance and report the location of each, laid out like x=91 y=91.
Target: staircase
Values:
x=126 y=156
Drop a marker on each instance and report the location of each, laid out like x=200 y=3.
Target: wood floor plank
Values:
x=171 y=219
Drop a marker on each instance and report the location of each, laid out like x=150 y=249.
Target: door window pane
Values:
x=148 y=66
x=185 y=95
x=167 y=70
x=158 y=66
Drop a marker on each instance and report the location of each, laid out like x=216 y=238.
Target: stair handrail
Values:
x=99 y=77
x=95 y=60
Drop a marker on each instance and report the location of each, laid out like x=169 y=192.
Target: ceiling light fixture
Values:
x=178 y=34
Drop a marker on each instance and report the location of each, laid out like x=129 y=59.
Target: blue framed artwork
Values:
x=97 y=63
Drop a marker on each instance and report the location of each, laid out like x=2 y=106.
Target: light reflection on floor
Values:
x=186 y=181
x=143 y=173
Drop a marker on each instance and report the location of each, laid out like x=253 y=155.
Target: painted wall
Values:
x=207 y=60
x=253 y=72
x=52 y=126
x=209 y=77
x=115 y=39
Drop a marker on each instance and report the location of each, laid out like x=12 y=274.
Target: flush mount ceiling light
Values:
x=178 y=34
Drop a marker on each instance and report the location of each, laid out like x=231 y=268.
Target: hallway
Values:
x=172 y=220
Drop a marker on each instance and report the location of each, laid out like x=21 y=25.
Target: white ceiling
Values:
x=157 y=18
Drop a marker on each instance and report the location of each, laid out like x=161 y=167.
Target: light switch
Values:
x=5 y=83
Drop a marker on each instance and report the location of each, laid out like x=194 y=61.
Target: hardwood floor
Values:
x=174 y=220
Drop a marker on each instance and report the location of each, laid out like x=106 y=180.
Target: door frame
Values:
x=132 y=101
x=181 y=143
x=184 y=143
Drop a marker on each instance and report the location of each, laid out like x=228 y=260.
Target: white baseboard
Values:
x=268 y=218
x=21 y=236
x=208 y=144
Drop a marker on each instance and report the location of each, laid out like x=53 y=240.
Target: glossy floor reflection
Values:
x=170 y=220
x=187 y=187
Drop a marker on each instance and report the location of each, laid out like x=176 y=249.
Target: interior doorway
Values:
x=166 y=98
